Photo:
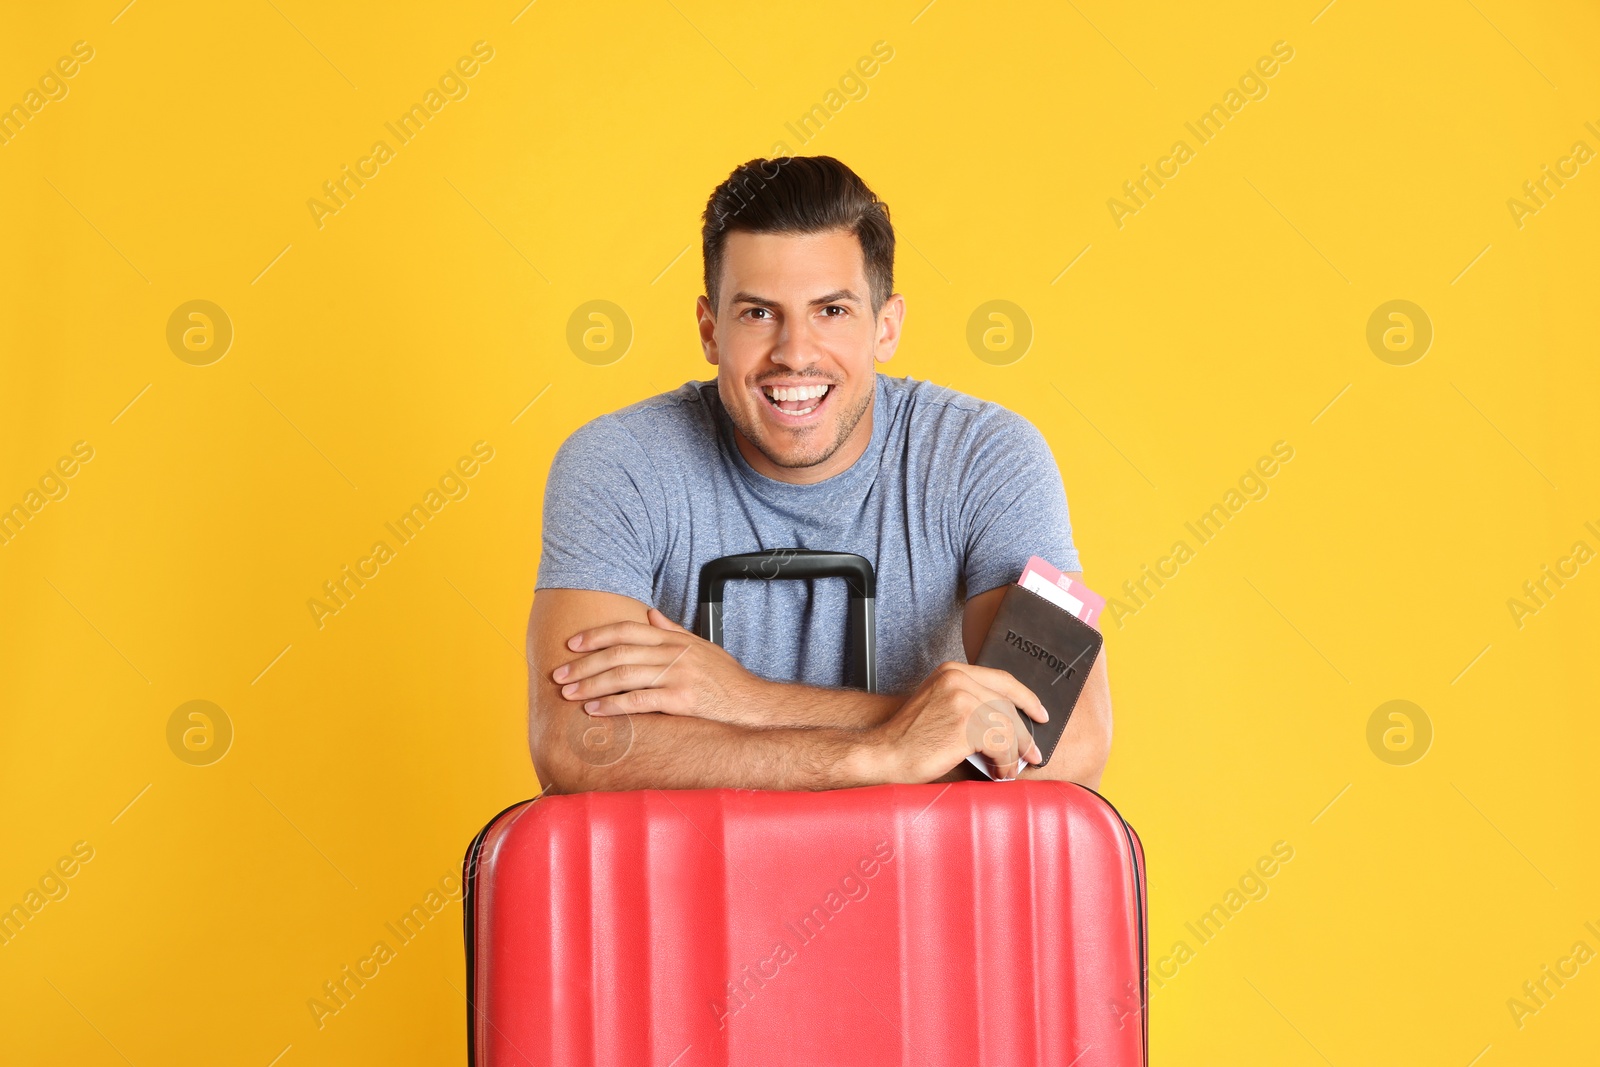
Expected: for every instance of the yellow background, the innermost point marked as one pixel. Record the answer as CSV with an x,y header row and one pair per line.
x,y
369,354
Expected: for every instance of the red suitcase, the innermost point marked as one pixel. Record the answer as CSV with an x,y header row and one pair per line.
x,y
960,924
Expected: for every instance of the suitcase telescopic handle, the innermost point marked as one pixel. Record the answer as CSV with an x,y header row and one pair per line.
x,y
789,563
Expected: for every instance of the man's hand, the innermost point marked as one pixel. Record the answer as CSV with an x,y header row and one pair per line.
x,y
959,709
633,667
1085,744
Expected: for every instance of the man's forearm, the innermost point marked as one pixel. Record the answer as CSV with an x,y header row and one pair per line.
x,y
656,751
794,704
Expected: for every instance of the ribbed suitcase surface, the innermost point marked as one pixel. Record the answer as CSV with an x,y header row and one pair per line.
x,y
961,924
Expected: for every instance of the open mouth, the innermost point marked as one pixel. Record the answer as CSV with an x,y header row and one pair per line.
x,y
797,402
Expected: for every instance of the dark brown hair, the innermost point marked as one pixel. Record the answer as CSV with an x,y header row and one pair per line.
x,y
799,194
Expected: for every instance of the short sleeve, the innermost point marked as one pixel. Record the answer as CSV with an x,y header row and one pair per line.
x,y
1014,504
598,505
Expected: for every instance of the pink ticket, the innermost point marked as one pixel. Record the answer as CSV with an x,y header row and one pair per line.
x,y
1069,594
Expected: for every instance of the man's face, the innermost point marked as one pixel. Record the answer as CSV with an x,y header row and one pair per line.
x,y
796,320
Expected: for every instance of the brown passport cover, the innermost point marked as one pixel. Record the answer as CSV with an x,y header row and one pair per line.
x,y
1048,650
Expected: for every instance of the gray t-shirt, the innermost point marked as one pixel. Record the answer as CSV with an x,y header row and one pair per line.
x,y
951,497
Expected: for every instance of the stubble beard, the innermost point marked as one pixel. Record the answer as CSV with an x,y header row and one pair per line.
x,y
754,432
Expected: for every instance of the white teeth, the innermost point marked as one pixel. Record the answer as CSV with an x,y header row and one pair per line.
x,y
804,392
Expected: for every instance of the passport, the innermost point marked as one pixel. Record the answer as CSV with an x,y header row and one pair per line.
x,y
1049,650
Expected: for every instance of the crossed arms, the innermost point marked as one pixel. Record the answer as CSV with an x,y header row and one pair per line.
x,y
620,697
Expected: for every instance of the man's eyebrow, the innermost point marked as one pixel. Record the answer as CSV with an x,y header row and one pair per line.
x,y
838,296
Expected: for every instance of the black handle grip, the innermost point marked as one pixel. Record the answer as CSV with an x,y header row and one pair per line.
x,y
794,563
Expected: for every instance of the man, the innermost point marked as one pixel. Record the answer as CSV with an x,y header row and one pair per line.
x,y
798,443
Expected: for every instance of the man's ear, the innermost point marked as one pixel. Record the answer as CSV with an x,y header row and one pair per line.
x,y
891,320
707,320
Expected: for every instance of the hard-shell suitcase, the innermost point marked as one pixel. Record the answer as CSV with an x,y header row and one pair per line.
x,y
958,924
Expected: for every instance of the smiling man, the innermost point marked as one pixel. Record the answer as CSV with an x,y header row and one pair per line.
x,y
799,442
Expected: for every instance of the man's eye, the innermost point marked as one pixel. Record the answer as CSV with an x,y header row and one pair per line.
x,y
835,307
758,311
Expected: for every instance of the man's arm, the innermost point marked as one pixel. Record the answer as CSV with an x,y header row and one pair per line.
x,y
629,667
1085,745
575,750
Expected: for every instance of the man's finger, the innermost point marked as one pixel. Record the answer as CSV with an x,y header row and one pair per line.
x,y
999,741
638,701
1003,736
1003,772
999,749
657,618
1014,763
1005,683
587,666
616,633
619,679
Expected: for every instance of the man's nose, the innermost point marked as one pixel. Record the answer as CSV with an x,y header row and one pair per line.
x,y
798,346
